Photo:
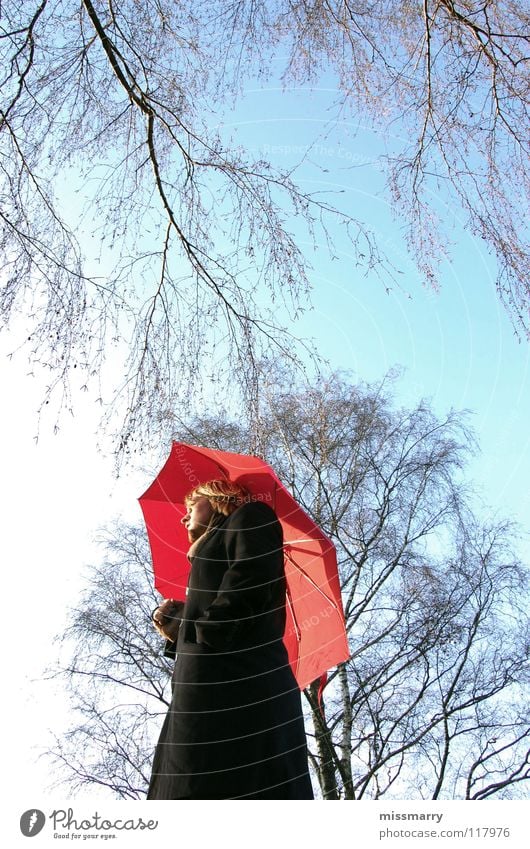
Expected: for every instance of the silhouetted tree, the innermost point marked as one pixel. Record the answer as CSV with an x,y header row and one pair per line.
x,y
179,242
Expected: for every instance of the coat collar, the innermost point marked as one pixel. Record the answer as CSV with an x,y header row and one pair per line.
x,y
216,523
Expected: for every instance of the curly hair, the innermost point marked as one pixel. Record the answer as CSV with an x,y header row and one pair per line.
x,y
224,495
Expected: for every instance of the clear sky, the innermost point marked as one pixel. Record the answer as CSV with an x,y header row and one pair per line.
x,y
455,346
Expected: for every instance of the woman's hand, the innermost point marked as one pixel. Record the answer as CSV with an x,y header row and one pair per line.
x,y
167,618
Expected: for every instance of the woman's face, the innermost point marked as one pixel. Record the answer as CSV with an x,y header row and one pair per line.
x,y
197,516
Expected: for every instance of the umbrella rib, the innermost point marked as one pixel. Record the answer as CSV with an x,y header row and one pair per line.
x,y
311,581
311,539
291,608
296,628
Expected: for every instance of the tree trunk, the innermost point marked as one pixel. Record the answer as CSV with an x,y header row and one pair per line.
x,y
327,774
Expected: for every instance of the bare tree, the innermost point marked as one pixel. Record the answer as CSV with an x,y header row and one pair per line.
x,y
432,702
118,679
115,100
180,241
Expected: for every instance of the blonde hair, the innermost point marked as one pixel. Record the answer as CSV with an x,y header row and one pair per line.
x,y
224,495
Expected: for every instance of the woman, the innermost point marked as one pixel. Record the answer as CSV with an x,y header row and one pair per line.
x,y
234,729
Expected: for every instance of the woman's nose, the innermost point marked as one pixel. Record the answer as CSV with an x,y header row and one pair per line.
x,y
184,519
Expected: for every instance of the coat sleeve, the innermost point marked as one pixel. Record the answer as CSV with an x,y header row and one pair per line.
x,y
254,556
170,648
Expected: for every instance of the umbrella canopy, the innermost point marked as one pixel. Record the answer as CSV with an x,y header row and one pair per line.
x,y
315,634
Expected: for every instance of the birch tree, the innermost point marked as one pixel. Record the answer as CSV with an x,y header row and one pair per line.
x,y
131,216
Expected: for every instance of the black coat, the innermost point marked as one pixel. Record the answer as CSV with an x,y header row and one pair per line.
x,y
234,728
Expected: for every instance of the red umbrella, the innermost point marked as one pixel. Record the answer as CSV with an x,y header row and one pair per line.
x,y
315,634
